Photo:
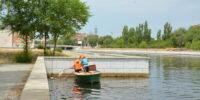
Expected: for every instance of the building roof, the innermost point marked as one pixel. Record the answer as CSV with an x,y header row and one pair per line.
x,y
80,36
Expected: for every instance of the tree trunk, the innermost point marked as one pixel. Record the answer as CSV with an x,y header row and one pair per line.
x,y
45,43
55,42
26,44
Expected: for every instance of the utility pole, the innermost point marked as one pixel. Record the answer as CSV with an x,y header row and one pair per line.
x,y
96,32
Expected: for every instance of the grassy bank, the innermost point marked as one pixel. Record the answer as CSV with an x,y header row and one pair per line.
x,y
7,55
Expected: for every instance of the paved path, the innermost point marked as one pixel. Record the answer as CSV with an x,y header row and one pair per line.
x,y
11,75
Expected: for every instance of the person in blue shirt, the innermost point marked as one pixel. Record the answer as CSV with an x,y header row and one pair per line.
x,y
84,61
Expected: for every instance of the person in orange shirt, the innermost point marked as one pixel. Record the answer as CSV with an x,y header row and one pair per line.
x,y
78,67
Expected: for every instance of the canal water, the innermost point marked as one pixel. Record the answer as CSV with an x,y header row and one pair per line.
x,y
171,78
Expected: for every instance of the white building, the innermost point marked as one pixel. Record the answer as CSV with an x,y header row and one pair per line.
x,y
8,39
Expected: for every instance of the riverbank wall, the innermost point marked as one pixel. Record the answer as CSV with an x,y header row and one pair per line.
x,y
109,67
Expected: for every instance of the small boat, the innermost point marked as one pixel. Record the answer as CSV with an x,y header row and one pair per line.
x,y
88,77
92,76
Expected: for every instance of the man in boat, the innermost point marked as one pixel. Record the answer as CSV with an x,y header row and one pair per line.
x,y
77,66
84,61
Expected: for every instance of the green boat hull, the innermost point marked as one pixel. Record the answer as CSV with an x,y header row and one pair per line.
x,y
93,78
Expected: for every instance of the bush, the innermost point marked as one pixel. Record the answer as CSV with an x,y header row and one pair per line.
x,y
22,57
58,50
161,44
40,46
195,45
49,53
143,44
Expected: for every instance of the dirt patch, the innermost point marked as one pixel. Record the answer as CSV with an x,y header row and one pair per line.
x,y
7,55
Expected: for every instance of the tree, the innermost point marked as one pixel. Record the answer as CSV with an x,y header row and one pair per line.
x,y
20,16
167,31
138,33
125,35
131,37
67,16
178,37
42,20
67,40
193,33
147,32
159,35
92,40
105,40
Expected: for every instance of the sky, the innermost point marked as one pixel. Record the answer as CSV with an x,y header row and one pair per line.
x,y
109,16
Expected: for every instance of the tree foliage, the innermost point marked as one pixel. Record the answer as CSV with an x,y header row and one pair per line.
x,y
125,35
140,37
179,37
159,36
20,16
47,17
146,32
92,40
167,31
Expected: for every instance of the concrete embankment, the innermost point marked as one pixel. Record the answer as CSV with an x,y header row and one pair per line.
x,y
37,87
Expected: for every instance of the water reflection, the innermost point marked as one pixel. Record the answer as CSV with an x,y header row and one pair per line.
x,y
82,90
108,89
174,77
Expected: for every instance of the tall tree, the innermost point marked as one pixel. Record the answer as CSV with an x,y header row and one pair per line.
x,y
139,33
167,31
43,26
159,35
125,35
131,36
147,32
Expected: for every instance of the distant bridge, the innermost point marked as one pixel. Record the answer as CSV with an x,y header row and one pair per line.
x,y
63,47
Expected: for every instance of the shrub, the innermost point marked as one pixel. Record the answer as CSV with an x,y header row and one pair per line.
x,y
58,49
161,44
40,46
143,44
22,57
49,53
195,45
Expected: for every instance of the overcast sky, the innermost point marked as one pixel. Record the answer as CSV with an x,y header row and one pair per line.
x,y
111,15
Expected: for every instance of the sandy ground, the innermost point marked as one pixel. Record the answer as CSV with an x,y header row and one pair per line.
x,y
13,78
